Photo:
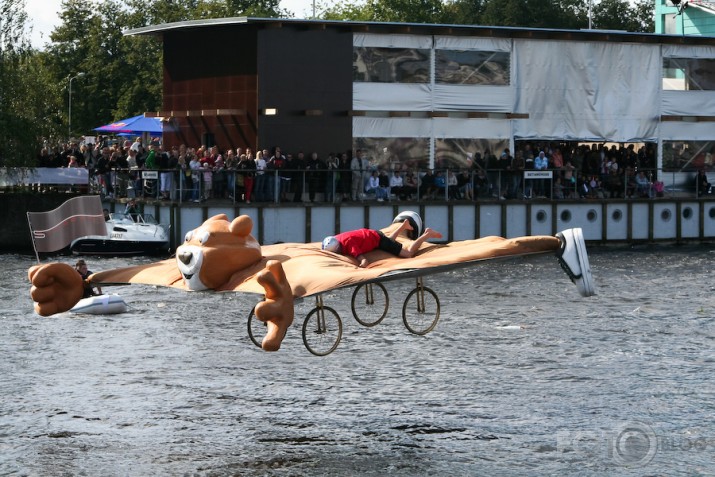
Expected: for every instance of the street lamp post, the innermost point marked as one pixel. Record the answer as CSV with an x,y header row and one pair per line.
x,y
69,113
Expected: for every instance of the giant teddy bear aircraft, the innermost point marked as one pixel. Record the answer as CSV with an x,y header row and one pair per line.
x,y
222,255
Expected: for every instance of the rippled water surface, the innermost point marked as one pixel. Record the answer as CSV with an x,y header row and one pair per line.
x,y
521,376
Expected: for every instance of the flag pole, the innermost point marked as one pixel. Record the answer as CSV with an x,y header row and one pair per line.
x,y
32,235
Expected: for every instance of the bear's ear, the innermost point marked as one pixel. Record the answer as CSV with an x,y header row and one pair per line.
x,y
241,226
217,217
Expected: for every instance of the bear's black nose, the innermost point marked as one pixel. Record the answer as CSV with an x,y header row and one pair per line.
x,y
185,257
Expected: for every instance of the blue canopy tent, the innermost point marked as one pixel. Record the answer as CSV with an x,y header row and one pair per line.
x,y
136,125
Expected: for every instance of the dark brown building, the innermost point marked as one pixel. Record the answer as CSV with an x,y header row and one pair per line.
x,y
251,83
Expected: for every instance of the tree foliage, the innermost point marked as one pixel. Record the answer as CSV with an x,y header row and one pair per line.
x,y
26,92
559,14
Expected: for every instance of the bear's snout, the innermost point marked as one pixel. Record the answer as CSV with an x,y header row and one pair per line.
x,y
185,256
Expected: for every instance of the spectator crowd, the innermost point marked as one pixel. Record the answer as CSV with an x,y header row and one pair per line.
x,y
132,169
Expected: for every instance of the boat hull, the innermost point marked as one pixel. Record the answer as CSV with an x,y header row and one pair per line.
x,y
112,247
101,305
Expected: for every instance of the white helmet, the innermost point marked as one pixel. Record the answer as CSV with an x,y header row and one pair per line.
x,y
415,221
331,244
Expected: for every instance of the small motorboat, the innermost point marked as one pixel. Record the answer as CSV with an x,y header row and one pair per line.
x,y
126,235
101,305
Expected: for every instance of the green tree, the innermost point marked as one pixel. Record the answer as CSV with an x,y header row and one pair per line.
x,y
68,54
558,14
122,75
254,8
619,15
642,13
24,98
462,12
645,10
407,11
530,13
348,10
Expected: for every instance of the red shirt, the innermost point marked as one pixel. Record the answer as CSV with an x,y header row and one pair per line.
x,y
357,242
208,161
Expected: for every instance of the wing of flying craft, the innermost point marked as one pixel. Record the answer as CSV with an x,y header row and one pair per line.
x,y
310,270
222,256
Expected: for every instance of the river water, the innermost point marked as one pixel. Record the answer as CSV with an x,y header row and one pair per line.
x,y
521,376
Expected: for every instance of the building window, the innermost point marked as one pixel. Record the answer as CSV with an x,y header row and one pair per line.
x,y
472,67
405,153
683,156
670,27
466,153
391,65
689,74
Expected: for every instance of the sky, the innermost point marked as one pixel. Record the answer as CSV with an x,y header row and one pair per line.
x,y
43,16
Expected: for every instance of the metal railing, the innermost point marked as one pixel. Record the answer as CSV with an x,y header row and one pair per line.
x,y
340,185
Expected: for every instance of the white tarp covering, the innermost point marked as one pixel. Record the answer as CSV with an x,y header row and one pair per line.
x,y
587,90
686,131
472,128
391,97
689,103
683,51
392,127
450,97
467,43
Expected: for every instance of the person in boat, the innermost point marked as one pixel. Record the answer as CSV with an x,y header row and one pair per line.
x,y
106,214
358,242
81,267
132,209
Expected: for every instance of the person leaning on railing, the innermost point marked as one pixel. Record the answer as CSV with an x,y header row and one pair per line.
x,y
345,181
195,166
246,168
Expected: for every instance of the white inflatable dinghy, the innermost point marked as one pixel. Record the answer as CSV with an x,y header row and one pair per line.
x,y
101,305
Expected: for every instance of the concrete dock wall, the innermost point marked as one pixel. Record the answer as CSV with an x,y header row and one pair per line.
x,y
612,221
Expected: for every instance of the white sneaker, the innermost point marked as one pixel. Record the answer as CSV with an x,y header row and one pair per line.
x,y
573,258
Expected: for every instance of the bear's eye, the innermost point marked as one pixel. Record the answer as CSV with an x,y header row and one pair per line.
x,y
188,236
203,237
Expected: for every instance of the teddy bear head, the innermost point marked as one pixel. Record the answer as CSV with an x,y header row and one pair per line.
x,y
216,250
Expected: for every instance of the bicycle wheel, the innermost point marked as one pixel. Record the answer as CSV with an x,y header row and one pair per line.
x,y
322,330
368,302
257,329
423,311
